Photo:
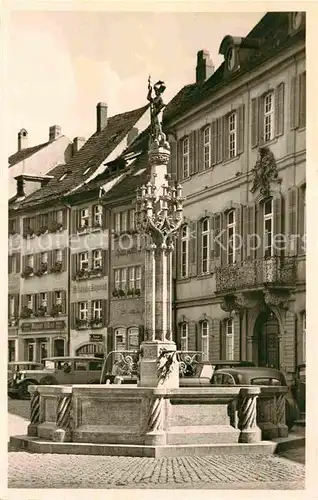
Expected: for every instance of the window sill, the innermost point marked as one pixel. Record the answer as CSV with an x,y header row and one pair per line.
x,y
231,160
186,279
269,143
204,276
127,297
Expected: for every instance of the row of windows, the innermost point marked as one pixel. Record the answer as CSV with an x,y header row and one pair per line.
x,y
83,260
127,278
96,309
43,300
205,338
126,338
124,221
223,138
38,224
90,217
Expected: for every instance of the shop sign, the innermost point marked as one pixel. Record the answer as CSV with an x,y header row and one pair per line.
x,y
43,325
96,337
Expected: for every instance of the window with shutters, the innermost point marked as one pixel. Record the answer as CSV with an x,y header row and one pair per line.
x,y
185,157
59,216
207,147
97,215
44,258
30,260
303,325
97,309
123,222
83,260
205,340
44,220
133,338
268,229
120,339
184,251
132,220
43,300
58,298
58,255
268,117
229,339
117,279
205,246
84,217
123,278
12,307
83,310
184,337
138,277
232,135
30,301
97,259
12,226
131,277
231,237
302,100
117,222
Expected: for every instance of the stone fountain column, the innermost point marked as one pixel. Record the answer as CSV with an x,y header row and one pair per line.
x,y
158,216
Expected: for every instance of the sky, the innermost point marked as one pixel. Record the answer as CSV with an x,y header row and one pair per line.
x,y
61,64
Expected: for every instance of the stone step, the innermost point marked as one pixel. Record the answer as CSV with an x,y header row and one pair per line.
x,y
37,445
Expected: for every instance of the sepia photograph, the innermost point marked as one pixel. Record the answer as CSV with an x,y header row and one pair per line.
x,y
156,318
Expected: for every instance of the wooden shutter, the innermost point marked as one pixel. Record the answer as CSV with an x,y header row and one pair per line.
x,y
302,100
64,218
74,265
16,305
192,152
240,129
248,230
10,263
36,301
193,248
141,334
104,311
294,103
105,217
64,305
192,333
75,220
254,122
50,298
73,315
214,143
110,339
50,259
196,150
279,109
200,149
301,223
261,120
172,166
239,231
64,258
105,256
18,262
237,336
259,220
178,254
225,138
174,261
24,300
292,221
37,261
278,206
220,154
223,239
216,229
179,160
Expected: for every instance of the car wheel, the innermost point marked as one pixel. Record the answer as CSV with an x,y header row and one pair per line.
x,y
48,380
23,390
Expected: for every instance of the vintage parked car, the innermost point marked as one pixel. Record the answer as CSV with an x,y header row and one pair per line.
x,y
258,376
200,373
299,387
16,366
57,370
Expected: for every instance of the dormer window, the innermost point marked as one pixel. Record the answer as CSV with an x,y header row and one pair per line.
x,y
231,58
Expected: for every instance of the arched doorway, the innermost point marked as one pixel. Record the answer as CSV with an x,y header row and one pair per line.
x,y
267,333
90,349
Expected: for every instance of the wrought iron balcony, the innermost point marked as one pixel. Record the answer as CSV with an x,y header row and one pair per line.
x,y
249,274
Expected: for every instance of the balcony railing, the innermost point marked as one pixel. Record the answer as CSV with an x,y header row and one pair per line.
x,y
247,274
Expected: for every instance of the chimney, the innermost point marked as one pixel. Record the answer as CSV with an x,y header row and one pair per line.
x,y
78,142
101,115
205,66
22,139
54,132
132,134
20,186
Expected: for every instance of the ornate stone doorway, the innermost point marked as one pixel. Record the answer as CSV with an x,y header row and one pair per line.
x,y
267,333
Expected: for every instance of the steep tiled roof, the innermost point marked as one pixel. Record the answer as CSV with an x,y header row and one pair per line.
x,y
272,31
128,185
92,154
25,153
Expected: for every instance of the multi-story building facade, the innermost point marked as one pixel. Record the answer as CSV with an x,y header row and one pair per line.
x,y
238,148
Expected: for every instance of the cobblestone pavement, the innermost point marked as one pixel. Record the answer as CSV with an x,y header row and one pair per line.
x,y
78,471
32,470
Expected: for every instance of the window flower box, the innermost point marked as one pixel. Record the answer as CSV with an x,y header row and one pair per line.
x,y
96,323
122,293
96,225
42,230
57,268
115,293
83,229
26,312
55,227
28,272
130,292
42,270
29,233
81,324
13,321
82,274
56,310
96,271
40,312
137,292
